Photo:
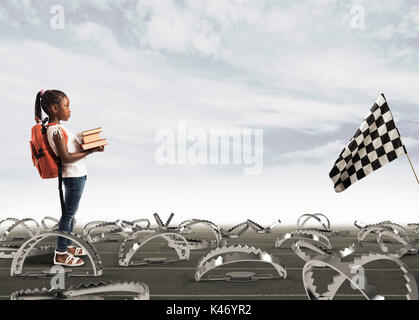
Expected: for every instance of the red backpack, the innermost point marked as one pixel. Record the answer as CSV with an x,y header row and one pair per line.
x,y
43,157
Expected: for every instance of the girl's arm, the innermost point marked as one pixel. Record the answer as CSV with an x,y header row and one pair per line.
x,y
67,157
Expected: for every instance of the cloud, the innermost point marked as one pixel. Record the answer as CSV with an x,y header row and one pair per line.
x,y
181,32
295,69
326,153
410,142
3,14
291,46
404,25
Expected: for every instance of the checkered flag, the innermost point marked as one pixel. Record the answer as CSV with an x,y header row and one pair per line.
x,y
376,143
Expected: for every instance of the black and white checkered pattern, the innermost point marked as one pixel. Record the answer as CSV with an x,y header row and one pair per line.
x,y
376,143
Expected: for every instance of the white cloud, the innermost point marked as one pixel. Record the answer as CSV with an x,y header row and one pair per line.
x,y
3,14
326,153
410,142
292,46
214,64
181,31
406,26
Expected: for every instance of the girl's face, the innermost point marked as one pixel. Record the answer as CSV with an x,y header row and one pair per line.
x,y
64,112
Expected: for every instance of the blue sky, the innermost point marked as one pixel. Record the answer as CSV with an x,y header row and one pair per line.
x,y
297,70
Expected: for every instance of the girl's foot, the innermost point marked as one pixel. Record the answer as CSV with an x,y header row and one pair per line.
x,y
67,259
77,252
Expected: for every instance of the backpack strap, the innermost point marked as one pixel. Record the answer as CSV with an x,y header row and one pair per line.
x,y
44,127
60,170
60,185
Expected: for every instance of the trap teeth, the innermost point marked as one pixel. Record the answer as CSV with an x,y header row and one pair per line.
x,y
120,228
31,231
174,240
53,220
318,217
306,235
345,273
384,229
139,290
29,249
234,254
299,246
259,229
414,227
237,230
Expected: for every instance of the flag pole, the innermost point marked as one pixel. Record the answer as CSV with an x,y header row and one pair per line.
x,y
408,158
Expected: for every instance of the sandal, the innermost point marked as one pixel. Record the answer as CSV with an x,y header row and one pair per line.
x,y
77,252
70,261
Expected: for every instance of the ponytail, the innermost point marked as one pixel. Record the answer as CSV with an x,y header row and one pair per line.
x,y
44,100
38,110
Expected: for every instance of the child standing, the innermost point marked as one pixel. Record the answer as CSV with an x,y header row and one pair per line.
x,y
65,145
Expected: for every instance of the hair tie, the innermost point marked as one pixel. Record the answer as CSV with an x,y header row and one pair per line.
x,y
42,92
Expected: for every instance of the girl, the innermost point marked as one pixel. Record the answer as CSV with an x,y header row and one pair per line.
x,y
56,105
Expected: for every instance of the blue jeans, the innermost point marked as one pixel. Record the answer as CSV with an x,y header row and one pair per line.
x,y
74,187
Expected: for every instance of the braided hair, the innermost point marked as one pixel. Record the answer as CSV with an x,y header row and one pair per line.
x,y
44,100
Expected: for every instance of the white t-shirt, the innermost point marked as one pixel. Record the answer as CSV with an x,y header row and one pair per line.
x,y
74,169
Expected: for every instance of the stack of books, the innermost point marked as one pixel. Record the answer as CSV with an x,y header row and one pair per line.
x,y
91,139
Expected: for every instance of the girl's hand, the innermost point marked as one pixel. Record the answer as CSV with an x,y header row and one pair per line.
x,y
98,149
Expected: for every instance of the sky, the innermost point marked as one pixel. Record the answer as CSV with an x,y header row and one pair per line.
x,y
306,73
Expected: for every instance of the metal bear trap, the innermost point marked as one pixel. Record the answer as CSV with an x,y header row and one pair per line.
x,y
13,220
91,291
259,229
201,244
384,229
322,220
347,272
53,220
236,231
408,246
376,227
92,224
109,231
197,244
302,247
8,251
311,235
137,223
141,237
235,254
241,228
365,230
164,226
396,228
319,217
26,248
370,229
216,230
7,246
414,227
16,222
55,223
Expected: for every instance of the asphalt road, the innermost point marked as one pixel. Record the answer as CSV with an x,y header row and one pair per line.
x,y
176,280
